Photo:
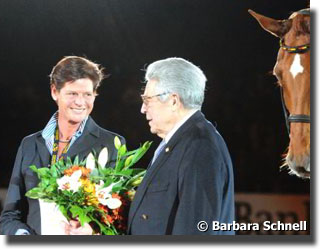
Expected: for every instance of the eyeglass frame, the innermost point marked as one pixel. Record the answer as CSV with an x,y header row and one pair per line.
x,y
145,99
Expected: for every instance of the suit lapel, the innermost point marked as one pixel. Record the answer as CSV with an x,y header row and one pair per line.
x,y
86,141
163,156
43,151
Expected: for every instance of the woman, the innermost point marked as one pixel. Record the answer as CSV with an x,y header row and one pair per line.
x,y
70,131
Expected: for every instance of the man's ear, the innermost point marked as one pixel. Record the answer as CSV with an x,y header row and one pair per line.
x,y
176,102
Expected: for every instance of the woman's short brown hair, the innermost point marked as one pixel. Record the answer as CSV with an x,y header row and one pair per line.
x,y
72,68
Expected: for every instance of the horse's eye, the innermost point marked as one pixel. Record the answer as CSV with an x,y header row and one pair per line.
x,y
277,72
306,26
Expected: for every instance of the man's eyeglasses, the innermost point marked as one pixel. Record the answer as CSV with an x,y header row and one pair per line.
x,y
146,99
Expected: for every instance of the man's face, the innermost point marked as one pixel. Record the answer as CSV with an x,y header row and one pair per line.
x,y
159,114
75,100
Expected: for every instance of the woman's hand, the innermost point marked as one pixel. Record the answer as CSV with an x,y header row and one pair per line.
x,y
74,228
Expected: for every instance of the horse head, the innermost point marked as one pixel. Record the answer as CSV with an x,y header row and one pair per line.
x,y
292,70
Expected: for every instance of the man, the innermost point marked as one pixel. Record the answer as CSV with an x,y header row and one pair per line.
x,y
189,183
71,131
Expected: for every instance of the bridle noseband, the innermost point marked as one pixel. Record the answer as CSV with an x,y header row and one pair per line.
x,y
292,118
299,118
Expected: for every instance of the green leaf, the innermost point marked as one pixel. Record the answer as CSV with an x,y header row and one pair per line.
x,y
34,193
105,229
83,162
44,182
117,187
119,165
125,172
69,162
131,183
76,160
146,145
80,213
34,168
51,188
53,171
105,171
43,172
108,182
141,152
64,211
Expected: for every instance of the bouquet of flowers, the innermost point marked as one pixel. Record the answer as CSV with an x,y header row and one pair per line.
x,y
91,191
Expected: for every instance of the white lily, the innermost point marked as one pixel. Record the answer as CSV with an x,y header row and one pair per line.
x,y
71,183
113,203
104,193
100,185
90,163
105,197
103,157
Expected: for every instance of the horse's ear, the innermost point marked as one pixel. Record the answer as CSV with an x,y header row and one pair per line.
x,y
276,27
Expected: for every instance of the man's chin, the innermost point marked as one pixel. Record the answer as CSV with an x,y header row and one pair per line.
x,y
157,132
153,131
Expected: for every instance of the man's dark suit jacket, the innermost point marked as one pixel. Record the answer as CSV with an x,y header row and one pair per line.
x,y
21,212
190,181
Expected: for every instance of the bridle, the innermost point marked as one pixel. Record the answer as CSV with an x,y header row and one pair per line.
x,y
299,118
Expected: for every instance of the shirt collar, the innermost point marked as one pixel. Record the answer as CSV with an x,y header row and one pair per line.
x,y
179,124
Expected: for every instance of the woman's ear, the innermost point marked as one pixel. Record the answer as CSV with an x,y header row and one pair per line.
x,y
54,92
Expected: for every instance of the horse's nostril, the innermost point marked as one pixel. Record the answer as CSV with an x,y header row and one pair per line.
x,y
302,172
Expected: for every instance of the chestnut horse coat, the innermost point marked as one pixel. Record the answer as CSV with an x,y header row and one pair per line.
x,y
190,181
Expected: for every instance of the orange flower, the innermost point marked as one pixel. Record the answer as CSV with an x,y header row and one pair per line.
x,y
109,218
115,195
85,172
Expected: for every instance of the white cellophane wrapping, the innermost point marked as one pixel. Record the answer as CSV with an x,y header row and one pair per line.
x,y
51,219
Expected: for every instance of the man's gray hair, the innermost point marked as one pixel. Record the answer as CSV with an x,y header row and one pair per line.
x,y
177,75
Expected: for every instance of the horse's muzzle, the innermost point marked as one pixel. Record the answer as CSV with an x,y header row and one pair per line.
x,y
300,168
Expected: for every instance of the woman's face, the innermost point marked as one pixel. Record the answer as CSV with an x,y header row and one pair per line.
x,y
75,100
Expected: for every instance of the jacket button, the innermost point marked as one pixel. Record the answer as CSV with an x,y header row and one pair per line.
x,y
144,216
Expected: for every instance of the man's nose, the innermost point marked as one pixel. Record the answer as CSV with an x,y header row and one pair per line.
x,y
143,108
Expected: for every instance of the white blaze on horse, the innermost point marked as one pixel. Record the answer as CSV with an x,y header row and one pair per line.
x,y
292,70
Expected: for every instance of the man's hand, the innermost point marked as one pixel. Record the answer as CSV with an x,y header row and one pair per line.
x,y
74,228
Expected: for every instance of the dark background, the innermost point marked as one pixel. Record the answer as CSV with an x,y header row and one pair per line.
x,y
124,36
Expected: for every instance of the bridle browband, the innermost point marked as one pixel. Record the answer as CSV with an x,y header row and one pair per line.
x,y
294,49
300,118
